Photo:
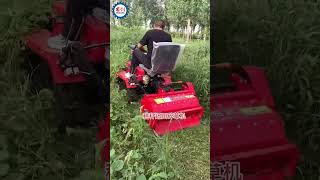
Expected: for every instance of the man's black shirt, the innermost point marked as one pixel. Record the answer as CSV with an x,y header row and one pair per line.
x,y
154,35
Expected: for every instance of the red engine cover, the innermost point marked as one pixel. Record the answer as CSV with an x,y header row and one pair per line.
x,y
246,129
122,75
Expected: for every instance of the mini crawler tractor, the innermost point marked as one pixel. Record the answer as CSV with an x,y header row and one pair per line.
x,y
167,106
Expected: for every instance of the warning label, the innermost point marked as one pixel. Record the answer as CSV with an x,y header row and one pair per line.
x,y
174,98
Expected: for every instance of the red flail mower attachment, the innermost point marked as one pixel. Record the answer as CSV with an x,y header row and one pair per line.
x,y
248,139
182,106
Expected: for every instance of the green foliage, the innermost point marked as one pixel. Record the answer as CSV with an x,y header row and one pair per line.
x,y
282,37
178,11
175,12
29,147
152,9
136,14
136,152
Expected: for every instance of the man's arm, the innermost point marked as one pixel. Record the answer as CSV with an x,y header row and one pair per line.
x,y
143,42
141,47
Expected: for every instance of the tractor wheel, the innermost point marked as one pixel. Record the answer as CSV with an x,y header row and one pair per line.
x,y
72,108
38,70
40,78
121,84
132,94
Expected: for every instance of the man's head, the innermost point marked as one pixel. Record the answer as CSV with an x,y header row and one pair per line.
x,y
159,24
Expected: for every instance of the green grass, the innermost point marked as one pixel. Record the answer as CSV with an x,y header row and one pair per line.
x,y
29,150
191,150
282,37
136,152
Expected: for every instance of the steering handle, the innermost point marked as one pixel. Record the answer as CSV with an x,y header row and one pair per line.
x,y
96,45
132,46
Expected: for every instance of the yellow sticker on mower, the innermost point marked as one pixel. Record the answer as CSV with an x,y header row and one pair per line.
x,y
171,99
159,101
190,96
163,100
250,111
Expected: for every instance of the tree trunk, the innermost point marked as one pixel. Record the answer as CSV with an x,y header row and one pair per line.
x,y
117,22
145,24
189,30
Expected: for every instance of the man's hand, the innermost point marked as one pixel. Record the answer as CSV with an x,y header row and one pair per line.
x,y
141,47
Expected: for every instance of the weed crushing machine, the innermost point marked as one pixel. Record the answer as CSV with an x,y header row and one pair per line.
x,y
167,106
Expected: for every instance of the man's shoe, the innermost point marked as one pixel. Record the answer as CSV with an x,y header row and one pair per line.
x,y
128,75
133,80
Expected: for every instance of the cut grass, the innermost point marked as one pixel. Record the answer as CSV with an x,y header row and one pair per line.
x,y
191,151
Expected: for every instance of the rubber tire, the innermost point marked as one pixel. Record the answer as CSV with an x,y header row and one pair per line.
x,y
71,104
121,84
40,78
132,94
70,107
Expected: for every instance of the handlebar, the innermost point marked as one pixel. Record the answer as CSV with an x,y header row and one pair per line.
x,y
96,45
132,46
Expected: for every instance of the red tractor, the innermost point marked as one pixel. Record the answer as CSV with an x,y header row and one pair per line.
x,y
246,129
167,106
79,97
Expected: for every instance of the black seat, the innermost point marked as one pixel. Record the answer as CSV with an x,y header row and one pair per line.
x,y
165,56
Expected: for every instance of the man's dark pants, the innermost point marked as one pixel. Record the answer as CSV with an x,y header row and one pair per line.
x,y
138,57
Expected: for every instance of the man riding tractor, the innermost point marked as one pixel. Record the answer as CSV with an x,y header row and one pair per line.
x,y
166,106
157,34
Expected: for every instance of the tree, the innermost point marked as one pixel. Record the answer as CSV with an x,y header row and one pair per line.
x,y
152,9
136,15
186,14
183,15
141,12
